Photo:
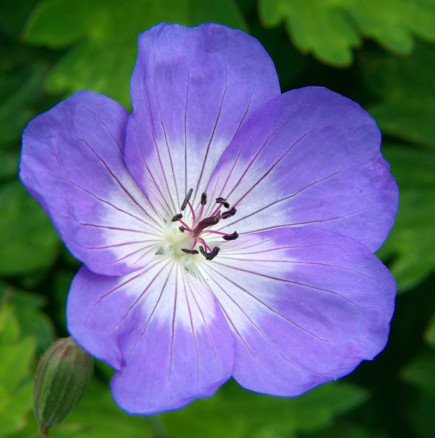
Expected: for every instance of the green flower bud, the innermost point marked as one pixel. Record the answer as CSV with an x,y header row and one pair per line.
x,y
62,377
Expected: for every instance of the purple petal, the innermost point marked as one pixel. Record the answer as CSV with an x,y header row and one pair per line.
x,y
160,328
306,306
309,157
191,91
72,163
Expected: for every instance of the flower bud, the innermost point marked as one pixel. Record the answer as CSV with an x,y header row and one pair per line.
x,y
63,375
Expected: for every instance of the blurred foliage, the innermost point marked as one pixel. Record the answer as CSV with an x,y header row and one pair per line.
x,y
261,416
405,90
330,29
17,354
412,240
421,370
52,48
29,315
31,242
104,33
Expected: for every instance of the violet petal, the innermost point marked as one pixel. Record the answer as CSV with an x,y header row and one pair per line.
x,y
161,329
191,90
72,163
309,157
305,305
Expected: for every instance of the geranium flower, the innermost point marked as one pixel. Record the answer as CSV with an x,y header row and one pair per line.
x,y
226,229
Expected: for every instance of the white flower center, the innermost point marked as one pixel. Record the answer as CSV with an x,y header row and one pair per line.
x,y
187,241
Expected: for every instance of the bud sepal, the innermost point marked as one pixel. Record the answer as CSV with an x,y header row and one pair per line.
x,y
62,377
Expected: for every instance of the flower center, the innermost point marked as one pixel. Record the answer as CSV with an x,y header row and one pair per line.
x,y
200,226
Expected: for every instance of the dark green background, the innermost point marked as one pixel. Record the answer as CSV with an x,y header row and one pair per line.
x,y
380,53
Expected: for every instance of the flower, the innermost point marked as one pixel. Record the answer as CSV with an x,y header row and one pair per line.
x,y
225,229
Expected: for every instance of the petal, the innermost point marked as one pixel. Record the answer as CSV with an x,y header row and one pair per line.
x,y
72,164
306,306
160,328
191,90
309,157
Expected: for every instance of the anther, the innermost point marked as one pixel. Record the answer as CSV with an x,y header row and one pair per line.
x,y
222,201
204,198
182,229
186,199
189,251
209,255
233,236
177,217
231,212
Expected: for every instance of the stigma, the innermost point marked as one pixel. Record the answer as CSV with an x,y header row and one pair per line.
x,y
200,226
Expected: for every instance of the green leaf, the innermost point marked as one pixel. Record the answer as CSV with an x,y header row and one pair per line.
x,y
9,327
330,29
345,429
406,92
17,356
62,279
8,164
98,416
9,423
420,414
420,372
21,77
31,319
105,33
28,241
13,14
430,332
237,413
411,242
16,360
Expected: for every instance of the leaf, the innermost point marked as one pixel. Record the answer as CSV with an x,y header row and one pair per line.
x,y
9,327
13,14
8,423
346,429
17,356
98,416
28,241
105,33
406,92
411,242
330,29
430,332
420,372
31,319
16,360
21,77
420,414
237,413
8,164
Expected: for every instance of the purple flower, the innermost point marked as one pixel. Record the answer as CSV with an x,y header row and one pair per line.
x,y
226,229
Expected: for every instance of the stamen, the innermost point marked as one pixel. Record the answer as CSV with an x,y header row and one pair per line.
x,y
199,225
186,199
222,201
207,248
231,212
192,211
233,236
185,226
209,255
189,251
